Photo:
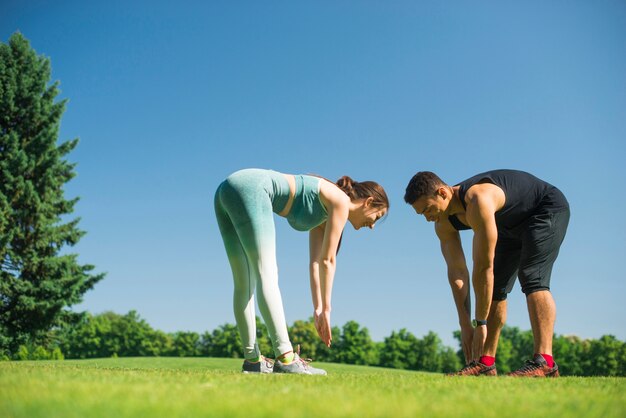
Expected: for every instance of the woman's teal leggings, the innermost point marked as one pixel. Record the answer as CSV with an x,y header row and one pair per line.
x,y
245,216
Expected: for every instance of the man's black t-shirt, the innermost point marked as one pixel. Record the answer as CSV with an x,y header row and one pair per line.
x,y
526,195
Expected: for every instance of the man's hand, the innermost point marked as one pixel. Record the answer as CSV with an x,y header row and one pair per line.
x,y
480,336
322,325
467,336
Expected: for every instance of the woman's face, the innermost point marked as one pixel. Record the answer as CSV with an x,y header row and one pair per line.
x,y
367,215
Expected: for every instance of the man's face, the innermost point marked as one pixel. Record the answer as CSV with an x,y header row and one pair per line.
x,y
432,207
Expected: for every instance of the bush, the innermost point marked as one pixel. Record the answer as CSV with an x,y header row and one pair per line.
x,y
22,353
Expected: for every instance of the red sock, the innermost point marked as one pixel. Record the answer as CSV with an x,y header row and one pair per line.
x,y
548,359
487,360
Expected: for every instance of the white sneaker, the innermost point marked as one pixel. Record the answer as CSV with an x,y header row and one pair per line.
x,y
297,366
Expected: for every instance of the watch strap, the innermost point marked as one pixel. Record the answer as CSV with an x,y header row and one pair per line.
x,y
479,322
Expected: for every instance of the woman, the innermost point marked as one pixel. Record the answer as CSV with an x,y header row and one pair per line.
x,y
244,203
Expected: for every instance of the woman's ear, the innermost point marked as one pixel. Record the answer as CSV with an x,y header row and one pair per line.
x,y
368,202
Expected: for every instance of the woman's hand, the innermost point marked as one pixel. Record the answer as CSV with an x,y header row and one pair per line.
x,y
322,325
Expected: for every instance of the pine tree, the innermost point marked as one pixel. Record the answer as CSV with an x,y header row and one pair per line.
x,y
36,281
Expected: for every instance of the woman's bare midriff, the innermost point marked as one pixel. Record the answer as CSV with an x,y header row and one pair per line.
x,y
292,192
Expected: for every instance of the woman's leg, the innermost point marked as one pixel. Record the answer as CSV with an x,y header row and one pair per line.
x,y
243,300
250,210
259,243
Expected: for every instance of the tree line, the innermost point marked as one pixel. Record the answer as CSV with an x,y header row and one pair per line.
x,y
111,335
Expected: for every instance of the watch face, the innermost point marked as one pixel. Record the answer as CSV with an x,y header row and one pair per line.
x,y
474,323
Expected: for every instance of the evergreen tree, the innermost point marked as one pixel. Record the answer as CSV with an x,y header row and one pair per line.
x,y
36,281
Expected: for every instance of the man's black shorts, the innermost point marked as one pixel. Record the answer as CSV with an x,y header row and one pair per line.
x,y
530,255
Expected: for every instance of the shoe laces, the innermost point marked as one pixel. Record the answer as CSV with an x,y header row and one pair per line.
x,y
471,365
304,361
268,361
529,366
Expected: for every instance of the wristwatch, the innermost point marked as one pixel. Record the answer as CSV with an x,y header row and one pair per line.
x,y
478,322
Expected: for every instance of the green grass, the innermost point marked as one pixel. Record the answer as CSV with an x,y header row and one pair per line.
x,y
189,387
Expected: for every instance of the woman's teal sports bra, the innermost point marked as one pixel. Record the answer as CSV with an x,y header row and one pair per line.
x,y
307,210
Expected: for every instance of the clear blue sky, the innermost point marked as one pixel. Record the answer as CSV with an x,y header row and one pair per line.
x,y
168,98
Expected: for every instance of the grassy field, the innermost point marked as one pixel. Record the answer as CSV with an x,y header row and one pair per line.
x,y
190,387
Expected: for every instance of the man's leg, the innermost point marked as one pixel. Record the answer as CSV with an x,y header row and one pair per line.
x,y
495,321
540,248
542,312
506,261
541,243
506,264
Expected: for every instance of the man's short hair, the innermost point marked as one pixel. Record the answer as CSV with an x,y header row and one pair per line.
x,y
424,183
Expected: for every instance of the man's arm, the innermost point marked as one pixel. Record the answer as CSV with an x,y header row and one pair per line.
x,y
482,204
480,215
458,277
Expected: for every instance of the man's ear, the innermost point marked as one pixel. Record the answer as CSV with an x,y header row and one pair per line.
x,y
442,192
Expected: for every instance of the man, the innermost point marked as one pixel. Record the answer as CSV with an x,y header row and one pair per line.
x,y
519,223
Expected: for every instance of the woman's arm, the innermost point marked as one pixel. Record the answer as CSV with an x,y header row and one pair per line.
x,y
337,205
316,237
